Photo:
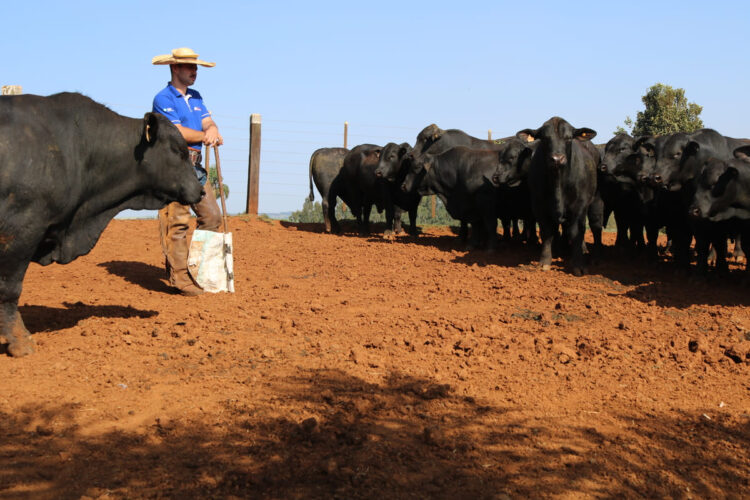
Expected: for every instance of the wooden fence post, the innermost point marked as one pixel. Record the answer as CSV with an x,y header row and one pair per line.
x,y
489,135
253,167
434,205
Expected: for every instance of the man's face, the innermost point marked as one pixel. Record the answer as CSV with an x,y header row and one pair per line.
x,y
185,73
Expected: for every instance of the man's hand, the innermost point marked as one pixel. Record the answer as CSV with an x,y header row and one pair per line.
x,y
211,133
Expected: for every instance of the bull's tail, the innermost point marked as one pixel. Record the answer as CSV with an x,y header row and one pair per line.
x,y
311,197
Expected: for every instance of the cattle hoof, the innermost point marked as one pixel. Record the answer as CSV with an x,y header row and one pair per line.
x,y
22,348
546,267
577,271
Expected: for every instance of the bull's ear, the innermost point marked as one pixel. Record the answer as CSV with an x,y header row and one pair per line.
x,y
526,135
403,149
584,134
692,148
742,153
150,127
525,155
377,152
643,146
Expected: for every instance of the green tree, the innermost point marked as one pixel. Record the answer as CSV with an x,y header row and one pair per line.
x,y
213,179
667,111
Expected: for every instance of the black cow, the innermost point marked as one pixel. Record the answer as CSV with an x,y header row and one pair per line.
x,y
562,179
722,196
359,187
678,164
620,193
723,188
325,165
68,165
462,178
434,140
514,197
391,168
655,208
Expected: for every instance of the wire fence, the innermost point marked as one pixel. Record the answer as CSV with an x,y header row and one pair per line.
x,y
286,147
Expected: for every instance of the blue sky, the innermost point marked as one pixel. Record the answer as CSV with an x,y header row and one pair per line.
x,y
388,68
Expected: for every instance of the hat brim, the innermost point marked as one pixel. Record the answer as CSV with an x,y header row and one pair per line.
x,y
170,59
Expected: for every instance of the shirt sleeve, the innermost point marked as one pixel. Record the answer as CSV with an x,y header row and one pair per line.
x,y
164,105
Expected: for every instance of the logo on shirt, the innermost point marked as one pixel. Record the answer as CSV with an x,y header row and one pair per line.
x,y
168,110
196,108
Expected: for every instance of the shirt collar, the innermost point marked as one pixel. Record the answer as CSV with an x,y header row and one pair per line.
x,y
176,93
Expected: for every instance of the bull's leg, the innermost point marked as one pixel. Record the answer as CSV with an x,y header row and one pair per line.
x,y
326,215
547,232
490,228
720,246
507,228
529,229
12,328
475,237
652,235
636,235
738,253
575,232
413,229
621,222
516,231
365,223
463,232
329,214
397,220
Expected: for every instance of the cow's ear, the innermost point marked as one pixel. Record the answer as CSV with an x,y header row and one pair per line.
x,y
525,155
584,134
692,148
150,127
377,152
644,147
526,135
403,149
742,153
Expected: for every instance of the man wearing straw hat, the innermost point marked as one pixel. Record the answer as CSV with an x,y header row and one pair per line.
x,y
184,106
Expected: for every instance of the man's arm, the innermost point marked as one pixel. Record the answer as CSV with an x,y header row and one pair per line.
x,y
208,136
211,132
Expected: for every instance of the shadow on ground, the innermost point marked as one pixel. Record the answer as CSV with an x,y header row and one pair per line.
x,y
404,438
139,273
45,319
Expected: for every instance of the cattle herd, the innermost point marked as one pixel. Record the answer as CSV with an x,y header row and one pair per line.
x,y
694,186
68,165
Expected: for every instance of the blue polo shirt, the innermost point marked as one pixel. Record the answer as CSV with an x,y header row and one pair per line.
x,y
188,110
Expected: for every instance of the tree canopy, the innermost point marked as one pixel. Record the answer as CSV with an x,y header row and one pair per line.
x,y
667,111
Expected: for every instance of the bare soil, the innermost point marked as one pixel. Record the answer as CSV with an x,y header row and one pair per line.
x,y
359,367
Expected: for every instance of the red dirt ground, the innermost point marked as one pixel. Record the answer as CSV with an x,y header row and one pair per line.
x,y
357,367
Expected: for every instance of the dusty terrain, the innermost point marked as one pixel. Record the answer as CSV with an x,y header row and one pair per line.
x,y
357,367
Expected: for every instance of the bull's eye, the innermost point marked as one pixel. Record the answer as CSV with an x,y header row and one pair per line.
x,y
676,155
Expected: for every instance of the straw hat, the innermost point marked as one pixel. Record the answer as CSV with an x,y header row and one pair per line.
x,y
183,55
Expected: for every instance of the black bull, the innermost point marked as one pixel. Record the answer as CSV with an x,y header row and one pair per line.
x,y
68,165
562,178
